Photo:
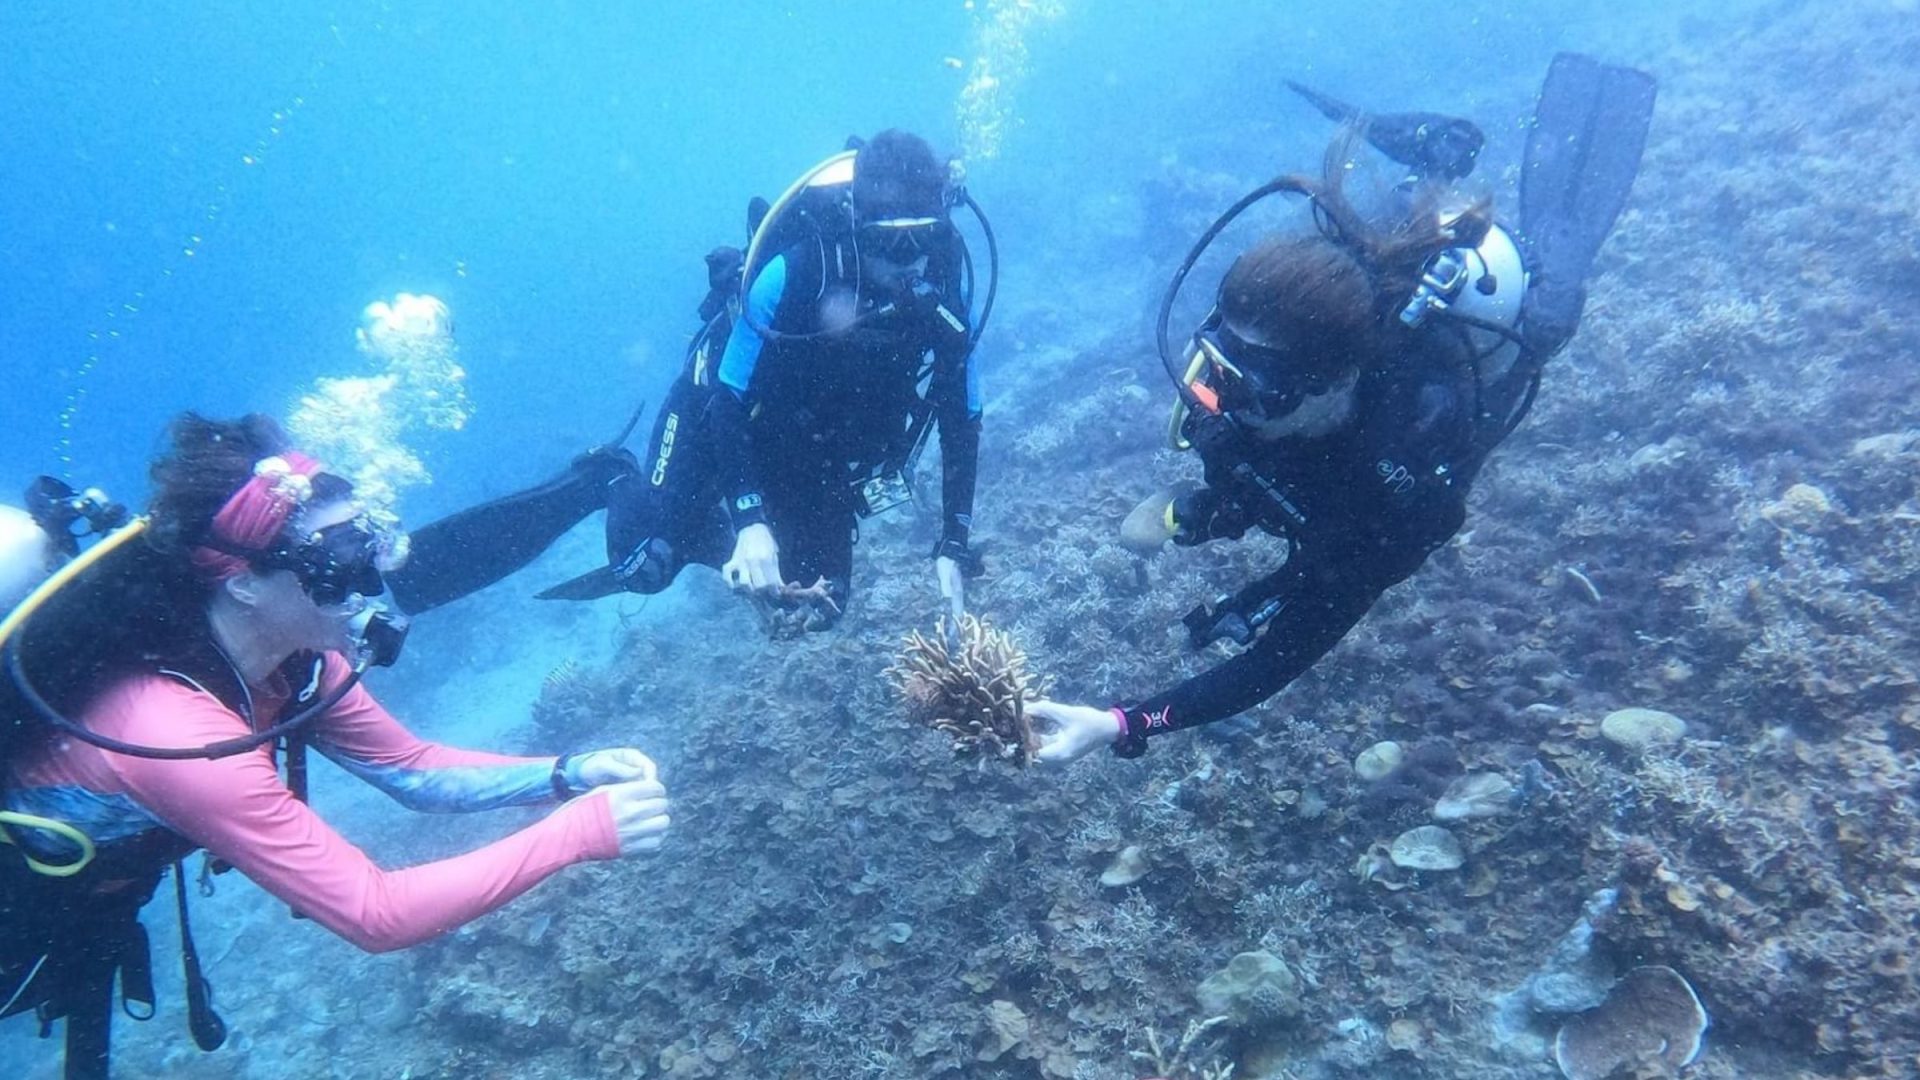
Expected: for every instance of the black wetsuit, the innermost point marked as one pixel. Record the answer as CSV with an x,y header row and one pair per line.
x,y
1361,508
1364,506
784,432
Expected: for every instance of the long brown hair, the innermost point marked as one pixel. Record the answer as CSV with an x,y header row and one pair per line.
x,y
1333,294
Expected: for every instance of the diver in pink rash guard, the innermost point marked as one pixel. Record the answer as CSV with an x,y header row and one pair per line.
x,y
240,810
241,623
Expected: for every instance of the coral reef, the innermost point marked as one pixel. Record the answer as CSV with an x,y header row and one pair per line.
x,y
1176,1062
970,682
1255,989
1640,543
1714,511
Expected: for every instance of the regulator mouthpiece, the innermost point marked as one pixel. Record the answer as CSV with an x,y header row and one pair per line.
x,y
378,635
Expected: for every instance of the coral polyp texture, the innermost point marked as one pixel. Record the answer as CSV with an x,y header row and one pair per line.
x,y
1651,1024
970,682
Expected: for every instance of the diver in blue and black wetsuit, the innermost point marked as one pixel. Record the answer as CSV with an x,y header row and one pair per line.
x,y
801,409
1352,378
853,344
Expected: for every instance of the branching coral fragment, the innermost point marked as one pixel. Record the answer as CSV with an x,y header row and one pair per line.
x,y
973,686
794,609
1175,1061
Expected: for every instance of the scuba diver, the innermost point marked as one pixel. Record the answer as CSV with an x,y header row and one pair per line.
x,y
833,346
801,409
1350,381
160,681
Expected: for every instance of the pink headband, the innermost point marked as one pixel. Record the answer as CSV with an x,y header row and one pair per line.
x,y
254,515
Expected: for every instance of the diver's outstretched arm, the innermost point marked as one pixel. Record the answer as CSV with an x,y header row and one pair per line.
x,y
1312,627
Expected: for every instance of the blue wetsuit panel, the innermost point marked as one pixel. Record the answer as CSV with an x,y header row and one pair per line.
x,y
744,344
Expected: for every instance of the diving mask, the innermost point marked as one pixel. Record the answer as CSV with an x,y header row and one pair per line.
x,y
899,240
1260,380
336,563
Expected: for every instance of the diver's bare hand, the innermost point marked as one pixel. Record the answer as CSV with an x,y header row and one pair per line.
x,y
616,766
1071,732
952,580
755,565
640,818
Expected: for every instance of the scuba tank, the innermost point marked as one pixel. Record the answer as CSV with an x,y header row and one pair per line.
x,y
27,556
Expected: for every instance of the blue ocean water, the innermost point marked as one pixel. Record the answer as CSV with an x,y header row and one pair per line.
x,y
200,199
554,175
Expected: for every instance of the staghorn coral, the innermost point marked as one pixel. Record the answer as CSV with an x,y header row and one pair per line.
x,y
1178,1059
972,684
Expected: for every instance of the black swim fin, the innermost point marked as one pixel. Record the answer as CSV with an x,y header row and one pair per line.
x,y
470,549
1434,146
1335,110
591,585
1589,130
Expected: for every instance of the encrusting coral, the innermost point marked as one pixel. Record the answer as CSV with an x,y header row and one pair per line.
x,y
972,684
1650,1025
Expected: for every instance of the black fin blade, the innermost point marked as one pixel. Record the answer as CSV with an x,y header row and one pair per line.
x,y
1589,131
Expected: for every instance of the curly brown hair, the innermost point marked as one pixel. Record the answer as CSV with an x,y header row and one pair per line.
x,y
145,600
207,462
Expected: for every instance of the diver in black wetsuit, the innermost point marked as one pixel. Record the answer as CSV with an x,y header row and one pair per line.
x,y
1350,382
854,343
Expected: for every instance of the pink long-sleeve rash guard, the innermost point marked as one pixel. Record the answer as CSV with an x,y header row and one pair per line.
x,y
239,809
